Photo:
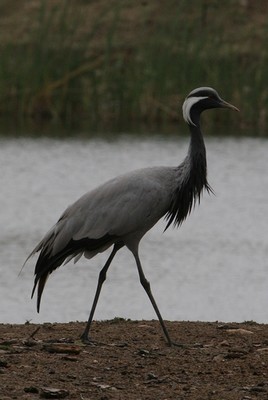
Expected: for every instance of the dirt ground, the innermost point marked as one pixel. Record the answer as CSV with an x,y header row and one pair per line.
x,y
130,360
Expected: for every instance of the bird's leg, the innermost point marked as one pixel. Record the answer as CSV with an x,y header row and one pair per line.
x,y
102,277
147,287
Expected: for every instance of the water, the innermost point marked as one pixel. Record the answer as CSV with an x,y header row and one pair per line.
x,y
213,268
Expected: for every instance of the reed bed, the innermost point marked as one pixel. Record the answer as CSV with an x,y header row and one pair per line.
x,y
117,63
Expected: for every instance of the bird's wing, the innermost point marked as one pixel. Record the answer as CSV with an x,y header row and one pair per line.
x,y
126,204
132,202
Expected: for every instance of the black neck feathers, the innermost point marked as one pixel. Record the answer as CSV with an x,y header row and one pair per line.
x,y
192,179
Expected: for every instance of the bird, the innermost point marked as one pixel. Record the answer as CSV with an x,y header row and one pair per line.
x,y
121,211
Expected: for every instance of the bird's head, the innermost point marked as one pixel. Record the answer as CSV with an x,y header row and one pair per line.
x,y
201,99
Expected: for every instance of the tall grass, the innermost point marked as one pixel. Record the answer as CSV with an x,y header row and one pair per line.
x,y
72,70
44,77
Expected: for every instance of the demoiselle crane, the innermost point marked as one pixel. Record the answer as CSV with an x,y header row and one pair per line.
x,y
120,212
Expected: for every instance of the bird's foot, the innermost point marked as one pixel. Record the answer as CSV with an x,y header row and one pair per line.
x,y
86,340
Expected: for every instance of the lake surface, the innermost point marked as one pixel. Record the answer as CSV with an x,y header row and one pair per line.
x,y
214,267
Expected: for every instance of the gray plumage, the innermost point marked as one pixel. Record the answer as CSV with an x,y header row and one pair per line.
x,y
122,210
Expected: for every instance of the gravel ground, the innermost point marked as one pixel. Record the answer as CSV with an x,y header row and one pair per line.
x,y
130,360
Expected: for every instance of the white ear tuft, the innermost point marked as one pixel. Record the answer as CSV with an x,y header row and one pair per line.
x,y
187,106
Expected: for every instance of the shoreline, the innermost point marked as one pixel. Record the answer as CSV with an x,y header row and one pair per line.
x,y
130,360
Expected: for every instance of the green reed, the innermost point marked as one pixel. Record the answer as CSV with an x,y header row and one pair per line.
x,y
72,70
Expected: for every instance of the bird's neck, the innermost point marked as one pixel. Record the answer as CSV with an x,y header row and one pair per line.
x,y
196,180
192,175
197,157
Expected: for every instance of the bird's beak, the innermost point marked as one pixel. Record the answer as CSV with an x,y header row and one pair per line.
x,y
228,105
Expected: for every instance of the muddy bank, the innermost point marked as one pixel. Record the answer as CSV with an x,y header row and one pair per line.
x,y
130,360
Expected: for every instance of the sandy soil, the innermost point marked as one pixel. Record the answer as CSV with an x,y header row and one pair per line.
x,y
130,360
